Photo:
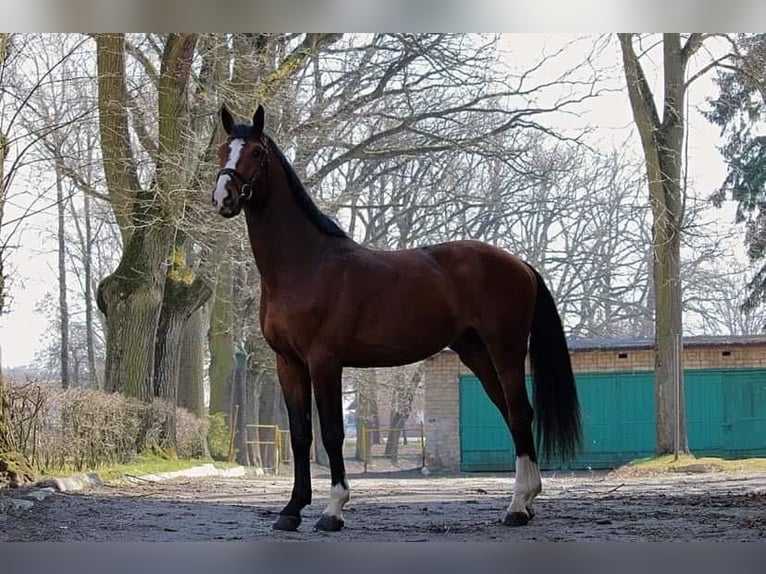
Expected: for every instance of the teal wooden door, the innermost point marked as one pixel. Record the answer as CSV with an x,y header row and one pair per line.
x,y
744,414
704,392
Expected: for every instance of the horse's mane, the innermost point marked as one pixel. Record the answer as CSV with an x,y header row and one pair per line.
x,y
322,221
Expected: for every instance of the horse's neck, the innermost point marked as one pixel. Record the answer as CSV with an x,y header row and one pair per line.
x,y
284,242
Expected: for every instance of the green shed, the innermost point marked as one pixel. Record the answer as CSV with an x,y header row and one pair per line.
x,y
725,395
725,410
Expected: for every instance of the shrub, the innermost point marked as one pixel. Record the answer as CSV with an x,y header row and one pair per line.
x,y
218,436
85,429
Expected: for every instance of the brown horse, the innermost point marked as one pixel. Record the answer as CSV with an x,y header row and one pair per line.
x,y
328,303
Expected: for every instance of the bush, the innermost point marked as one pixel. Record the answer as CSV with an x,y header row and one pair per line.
x,y
218,436
85,429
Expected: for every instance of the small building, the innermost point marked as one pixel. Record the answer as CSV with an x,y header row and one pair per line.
x,y
725,396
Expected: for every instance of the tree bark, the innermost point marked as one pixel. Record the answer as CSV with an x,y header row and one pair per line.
x,y
191,395
401,409
179,302
221,342
662,142
93,381
63,303
132,296
5,44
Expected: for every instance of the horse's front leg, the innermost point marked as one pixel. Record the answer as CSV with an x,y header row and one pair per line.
x,y
326,378
296,386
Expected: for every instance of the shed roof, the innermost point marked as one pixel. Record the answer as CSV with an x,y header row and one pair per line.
x,y
639,343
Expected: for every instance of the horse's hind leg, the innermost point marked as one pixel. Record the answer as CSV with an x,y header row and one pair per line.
x,y
512,402
296,387
327,389
509,366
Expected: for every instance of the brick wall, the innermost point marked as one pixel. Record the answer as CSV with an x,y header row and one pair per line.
x,y
442,416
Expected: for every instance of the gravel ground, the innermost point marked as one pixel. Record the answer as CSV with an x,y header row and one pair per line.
x,y
405,506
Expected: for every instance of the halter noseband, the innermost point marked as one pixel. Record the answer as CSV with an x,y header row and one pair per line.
x,y
246,187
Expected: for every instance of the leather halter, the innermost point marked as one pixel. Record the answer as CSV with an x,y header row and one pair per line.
x,y
246,187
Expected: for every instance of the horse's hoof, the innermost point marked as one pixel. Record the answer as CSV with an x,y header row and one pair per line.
x,y
329,523
531,512
287,522
516,519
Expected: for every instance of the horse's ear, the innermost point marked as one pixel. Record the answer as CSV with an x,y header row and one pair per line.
x,y
258,120
226,120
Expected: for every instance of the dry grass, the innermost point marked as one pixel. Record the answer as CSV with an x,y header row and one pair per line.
x,y
667,464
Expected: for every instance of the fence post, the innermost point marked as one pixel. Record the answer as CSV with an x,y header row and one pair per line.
x,y
364,446
277,448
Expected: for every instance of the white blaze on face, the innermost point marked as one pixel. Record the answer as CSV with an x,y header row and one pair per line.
x,y
527,485
339,495
220,192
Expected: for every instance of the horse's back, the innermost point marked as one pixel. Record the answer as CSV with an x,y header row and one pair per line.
x,y
498,287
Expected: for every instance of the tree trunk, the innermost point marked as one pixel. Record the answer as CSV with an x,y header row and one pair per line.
x,y
401,408
221,342
5,44
63,304
367,412
132,295
267,395
240,397
93,382
179,302
133,298
662,143
191,393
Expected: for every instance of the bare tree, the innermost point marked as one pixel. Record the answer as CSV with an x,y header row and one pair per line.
x,y
662,139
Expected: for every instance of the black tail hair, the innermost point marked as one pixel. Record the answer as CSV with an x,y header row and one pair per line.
x,y
557,409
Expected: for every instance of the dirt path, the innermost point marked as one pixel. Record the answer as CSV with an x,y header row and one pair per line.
x,y
408,507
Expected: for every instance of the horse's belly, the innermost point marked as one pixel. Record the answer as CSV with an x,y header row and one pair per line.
x,y
389,342
391,354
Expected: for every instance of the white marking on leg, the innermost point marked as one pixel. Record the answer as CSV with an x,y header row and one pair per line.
x,y
527,485
220,193
339,495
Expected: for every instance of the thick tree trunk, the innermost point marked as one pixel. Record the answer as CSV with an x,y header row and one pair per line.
x,y
662,142
191,392
669,391
179,302
133,298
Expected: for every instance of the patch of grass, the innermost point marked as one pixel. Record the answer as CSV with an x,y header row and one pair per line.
x,y
690,463
147,463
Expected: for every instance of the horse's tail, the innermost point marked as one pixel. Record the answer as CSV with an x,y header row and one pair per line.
x,y
557,408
